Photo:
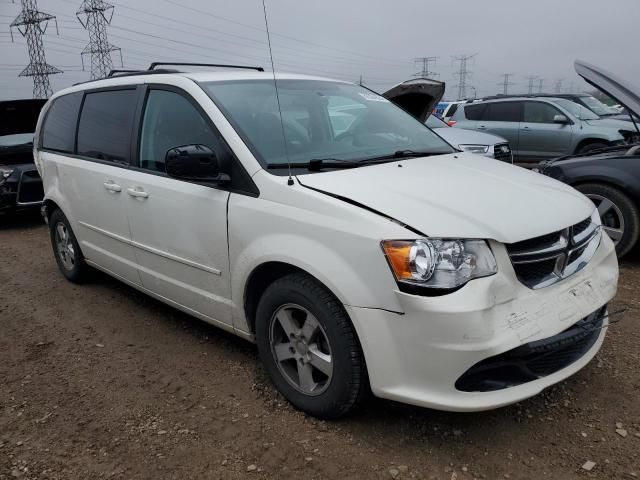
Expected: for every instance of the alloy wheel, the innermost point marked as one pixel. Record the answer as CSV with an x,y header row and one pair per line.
x,y
610,215
301,349
64,246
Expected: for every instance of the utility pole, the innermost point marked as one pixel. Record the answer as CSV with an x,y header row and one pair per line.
x,y
506,83
97,15
32,23
531,79
557,85
425,71
463,74
540,84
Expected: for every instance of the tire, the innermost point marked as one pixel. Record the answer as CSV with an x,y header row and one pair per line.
x,y
66,249
620,216
589,147
302,302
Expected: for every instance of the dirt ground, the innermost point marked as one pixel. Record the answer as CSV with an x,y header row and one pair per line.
x,y
99,381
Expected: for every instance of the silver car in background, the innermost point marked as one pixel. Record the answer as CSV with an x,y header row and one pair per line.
x,y
472,141
543,127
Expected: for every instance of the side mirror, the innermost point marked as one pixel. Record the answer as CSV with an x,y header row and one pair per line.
x,y
195,163
560,119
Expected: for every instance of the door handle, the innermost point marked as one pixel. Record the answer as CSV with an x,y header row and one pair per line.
x,y
482,127
112,186
137,192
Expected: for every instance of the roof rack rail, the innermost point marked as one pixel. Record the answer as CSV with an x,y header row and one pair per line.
x,y
215,65
115,72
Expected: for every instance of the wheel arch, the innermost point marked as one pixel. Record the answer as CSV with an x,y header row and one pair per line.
x,y
583,143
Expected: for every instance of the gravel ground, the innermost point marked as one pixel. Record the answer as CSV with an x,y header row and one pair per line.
x,y
99,381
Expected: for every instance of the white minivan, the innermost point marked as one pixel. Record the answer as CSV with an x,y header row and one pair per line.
x,y
358,249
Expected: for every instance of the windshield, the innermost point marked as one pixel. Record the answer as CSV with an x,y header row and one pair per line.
x,y
576,109
435,122
16,139
597,107
322,119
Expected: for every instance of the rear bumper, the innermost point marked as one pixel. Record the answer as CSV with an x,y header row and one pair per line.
x,y
418,356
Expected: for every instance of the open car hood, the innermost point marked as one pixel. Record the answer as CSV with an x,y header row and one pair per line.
x,y
19,116
625,93
417,97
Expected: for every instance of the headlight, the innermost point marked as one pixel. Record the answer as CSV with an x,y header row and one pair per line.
x,y
474,148
5,173
439,263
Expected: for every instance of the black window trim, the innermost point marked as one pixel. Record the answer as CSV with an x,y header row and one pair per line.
x,y
250,189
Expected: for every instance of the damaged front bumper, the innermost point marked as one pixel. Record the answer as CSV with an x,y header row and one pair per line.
x,y
433,353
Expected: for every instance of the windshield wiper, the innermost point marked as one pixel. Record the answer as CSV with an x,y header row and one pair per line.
x,y
400,154
317,164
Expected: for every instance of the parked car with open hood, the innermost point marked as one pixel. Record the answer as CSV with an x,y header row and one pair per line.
x,y
610,177
539,128
422,108
20,183
362,255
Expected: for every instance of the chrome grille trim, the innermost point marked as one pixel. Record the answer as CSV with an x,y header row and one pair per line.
x,y
572,251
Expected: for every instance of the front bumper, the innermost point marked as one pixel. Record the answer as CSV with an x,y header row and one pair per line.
x,y
417,356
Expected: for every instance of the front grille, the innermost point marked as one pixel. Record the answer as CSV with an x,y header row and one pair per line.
x,y
502,152
534,360
547,259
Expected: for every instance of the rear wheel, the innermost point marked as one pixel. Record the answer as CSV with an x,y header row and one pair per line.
x,y
309,347
619,215
66,248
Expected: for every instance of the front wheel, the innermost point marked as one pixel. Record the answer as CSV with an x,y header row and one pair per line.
x,y
619,215
309,347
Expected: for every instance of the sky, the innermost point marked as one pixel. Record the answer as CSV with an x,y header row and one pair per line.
x,y
347,39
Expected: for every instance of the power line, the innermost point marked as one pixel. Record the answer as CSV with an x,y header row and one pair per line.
x,y
30,23
506,83
425,71
463,74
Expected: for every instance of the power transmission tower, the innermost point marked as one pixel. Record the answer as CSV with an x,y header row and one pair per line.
x,y
531,79
540,84
557,85
463,74
506,83
97,15
425,71
32,23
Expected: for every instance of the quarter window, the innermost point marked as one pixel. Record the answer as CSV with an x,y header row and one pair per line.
x,y
59,129
539,112
170,121
502,112
105,125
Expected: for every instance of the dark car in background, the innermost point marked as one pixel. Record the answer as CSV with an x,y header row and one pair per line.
x,y
610,177
20,183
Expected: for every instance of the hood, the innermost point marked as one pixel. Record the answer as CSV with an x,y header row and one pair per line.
x,y
609,122
418,97
460,196
625,93
460,136
19,116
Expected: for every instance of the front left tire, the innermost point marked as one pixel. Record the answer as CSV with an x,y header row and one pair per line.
x,y
309,347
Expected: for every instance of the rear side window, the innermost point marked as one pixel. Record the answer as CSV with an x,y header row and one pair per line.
x,y
475,112
502,112
105,126
59,129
